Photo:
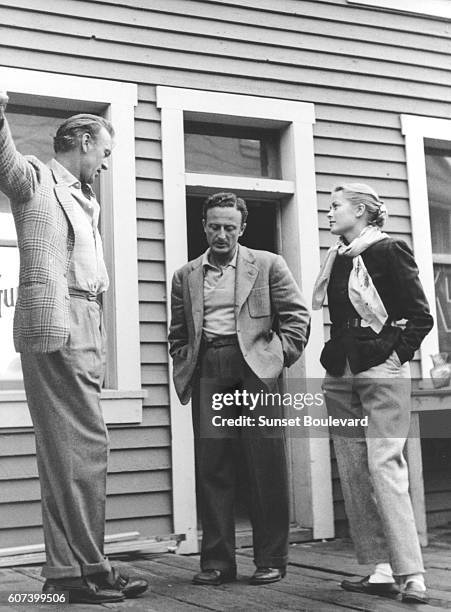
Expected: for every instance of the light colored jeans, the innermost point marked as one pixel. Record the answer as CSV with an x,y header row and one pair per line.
x,y
372,467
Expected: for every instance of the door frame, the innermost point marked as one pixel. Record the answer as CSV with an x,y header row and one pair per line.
x,y
310,456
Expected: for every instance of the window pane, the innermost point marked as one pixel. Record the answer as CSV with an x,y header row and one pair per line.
x,y
33,134
438,170
9,273
212,149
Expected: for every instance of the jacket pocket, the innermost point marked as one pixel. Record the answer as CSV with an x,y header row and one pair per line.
x,y
259,302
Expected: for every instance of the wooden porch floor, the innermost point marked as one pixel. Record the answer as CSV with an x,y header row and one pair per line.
x,y
312,583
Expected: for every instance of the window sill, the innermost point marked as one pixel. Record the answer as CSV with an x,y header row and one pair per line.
x,y
119,408
431,399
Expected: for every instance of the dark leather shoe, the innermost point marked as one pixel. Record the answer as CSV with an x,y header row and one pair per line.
x,y
266,575
214,577
129,587
80,590
383,589
411,594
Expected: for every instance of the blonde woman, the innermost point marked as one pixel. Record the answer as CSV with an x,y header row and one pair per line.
x,y
372,283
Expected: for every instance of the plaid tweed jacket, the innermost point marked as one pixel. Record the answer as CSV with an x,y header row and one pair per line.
x,y
42,211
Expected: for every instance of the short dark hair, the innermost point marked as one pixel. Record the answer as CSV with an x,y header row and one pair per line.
x,y
225,199
69,133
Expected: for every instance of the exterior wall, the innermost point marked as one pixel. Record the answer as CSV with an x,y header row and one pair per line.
x,y
361,68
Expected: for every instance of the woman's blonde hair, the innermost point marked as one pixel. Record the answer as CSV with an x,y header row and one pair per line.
x,y
359,193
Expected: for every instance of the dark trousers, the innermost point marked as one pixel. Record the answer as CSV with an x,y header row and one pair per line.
x,y
63,393
222,369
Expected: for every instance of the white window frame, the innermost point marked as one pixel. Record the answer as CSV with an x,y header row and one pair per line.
x,y
431,8
123,403
299,188
415,129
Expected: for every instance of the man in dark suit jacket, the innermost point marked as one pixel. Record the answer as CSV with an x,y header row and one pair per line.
x,y
58,330
223,338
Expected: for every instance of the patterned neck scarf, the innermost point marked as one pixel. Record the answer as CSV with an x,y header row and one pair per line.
x,y
362,292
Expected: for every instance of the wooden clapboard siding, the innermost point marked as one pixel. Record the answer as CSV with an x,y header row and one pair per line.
x,y
360,67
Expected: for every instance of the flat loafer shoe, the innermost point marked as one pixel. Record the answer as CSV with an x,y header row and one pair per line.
x,y
128,586
214,577
266,575
383,589
82,593
410,594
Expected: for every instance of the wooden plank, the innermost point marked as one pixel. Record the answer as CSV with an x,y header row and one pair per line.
x,y
157,399
148,526
155,415
149,189
148,168
179,571
380,152
214,23
149,209
154,353
358,167
152,312
243,10
357,133
154,374
151,249
353,55
131,505
140,545
315,91
150,229
175,33
383,186
147,149
122,460
313,588
360,78
153,332
152,291
120,438
151,271
139,460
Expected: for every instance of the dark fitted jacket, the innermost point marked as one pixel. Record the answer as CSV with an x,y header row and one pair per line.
x,y
393,270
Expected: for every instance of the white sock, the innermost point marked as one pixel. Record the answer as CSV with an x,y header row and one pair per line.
x,y
382,573
417,579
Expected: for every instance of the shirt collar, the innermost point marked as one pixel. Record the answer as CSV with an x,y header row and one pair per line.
x,y
69,179
232,263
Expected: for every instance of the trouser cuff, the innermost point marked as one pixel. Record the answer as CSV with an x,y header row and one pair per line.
x,y
62,571
271,561
96,568
77,571
218,565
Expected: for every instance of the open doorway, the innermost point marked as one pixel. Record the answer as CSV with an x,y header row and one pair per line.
x,y
262,230
263,233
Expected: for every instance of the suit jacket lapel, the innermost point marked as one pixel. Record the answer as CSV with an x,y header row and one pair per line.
x,y
245,277
196,291
63,194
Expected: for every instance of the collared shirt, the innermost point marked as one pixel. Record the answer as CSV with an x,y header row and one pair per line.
x,y
219,297
87,270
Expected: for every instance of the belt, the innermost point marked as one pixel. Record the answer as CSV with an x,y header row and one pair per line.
x,y
84,295
219,341
357,322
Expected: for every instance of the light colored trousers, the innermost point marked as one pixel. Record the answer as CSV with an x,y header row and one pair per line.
x,y
63,393
371,464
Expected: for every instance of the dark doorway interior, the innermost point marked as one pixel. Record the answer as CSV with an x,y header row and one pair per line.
x,y
261,233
